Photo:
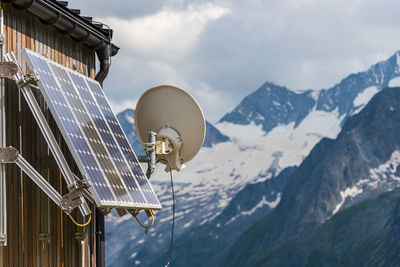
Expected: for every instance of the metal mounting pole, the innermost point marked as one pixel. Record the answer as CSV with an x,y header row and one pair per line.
x,y
150,149
152,154
3,189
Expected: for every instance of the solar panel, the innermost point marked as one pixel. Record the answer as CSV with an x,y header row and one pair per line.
x,y
93,135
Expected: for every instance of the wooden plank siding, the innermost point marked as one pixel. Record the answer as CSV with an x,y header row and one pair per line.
x,y
39,233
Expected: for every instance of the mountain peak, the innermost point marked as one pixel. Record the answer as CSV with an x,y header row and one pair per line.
x,y
271,105
361,163
397,55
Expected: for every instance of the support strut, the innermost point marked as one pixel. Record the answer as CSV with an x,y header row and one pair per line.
x,y
67,202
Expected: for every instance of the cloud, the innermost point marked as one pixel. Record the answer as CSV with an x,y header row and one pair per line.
x,y
118,8
118,106
157,49
166,35
211,101
299,44
226,49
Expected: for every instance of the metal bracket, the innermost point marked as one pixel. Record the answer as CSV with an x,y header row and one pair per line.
x,y
158,147
134,212
79,183
149,147
75,197
80,236
3,238
8,154
44,237
28,79
32,78
8,69
121,212
105,211
67,202
71,200
154,148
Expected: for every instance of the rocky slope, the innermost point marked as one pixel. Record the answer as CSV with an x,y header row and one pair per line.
x,y
362,163
365,234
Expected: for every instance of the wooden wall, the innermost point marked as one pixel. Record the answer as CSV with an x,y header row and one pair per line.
x,y
39,233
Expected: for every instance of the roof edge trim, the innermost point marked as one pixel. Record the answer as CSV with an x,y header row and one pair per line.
x,y
67,22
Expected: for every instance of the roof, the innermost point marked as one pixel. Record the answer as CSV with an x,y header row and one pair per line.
x,y
68,21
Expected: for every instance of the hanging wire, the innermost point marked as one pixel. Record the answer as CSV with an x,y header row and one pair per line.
x,y
173,213
81,225
146,226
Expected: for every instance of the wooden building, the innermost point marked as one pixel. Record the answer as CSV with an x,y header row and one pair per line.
x,y
38,232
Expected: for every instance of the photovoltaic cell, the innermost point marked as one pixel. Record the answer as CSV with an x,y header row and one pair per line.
x,y
121,138
93,135
73,131
109,139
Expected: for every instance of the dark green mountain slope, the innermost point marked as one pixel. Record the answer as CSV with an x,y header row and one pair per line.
x,y
366,234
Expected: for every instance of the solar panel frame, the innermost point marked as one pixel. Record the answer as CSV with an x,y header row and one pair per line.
x,y
52,79
47,77
118,132
106,133
92,136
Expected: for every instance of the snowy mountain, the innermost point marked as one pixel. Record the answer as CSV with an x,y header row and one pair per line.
x,y
361,164
211,180
270,130
272,105
213,136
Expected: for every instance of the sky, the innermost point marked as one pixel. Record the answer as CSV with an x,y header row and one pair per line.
x,y
221,51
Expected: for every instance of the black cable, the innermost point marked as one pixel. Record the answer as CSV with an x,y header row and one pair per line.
x,y
173,213
173,217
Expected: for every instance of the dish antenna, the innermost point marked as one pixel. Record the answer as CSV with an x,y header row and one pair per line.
x,y
173,123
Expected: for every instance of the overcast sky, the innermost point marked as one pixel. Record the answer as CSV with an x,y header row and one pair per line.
x,y
220,51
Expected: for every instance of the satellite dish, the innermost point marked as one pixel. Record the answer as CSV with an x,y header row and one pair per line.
x,y
178,121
